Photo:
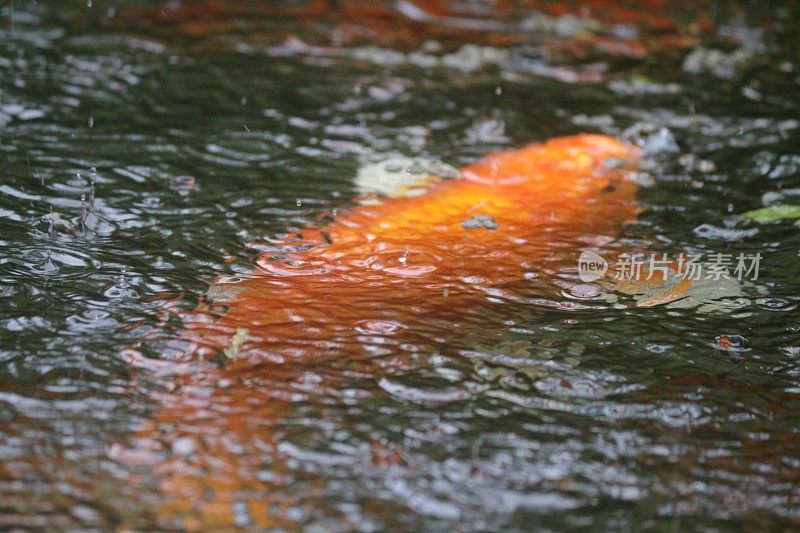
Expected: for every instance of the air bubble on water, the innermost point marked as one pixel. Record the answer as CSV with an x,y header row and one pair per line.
x,y
91,122
89,3
585,291
299,202
498,90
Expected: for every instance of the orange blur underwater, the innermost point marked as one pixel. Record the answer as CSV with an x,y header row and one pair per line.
x,y
378,280
393,267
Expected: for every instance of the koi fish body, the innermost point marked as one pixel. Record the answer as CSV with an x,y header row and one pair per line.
x,y
383,278
404,262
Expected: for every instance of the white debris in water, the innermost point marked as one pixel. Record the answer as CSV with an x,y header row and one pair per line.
x,y
716,62
379,56
402,176
184,446
488,131
565,26
468,58
771,197
652,138
709,231
480,221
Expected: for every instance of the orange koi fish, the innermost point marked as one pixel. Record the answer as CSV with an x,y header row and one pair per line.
x,y
389,278
400,264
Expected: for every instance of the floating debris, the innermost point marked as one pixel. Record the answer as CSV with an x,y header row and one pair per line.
x,y
565,26
652,138
774,213
238,340
716,62
709,231
402,176
481,221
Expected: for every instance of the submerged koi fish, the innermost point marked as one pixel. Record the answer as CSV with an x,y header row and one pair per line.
x,y
404,262
388,278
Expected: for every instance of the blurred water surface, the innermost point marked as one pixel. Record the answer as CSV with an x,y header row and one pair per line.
x,y
148,149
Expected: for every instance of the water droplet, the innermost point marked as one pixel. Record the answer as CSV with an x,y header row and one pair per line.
x,y
498,90
299,202
91,122
84,213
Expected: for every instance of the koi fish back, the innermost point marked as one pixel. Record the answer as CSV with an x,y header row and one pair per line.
x,y
401,263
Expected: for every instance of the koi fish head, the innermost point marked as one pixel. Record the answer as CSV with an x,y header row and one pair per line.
x,y
581,163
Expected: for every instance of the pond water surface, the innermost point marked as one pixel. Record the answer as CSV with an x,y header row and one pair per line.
x,y
149,150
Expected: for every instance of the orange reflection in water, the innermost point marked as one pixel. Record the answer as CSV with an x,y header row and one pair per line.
x,y
660,25
380,280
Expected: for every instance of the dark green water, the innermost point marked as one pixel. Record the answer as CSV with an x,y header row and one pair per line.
x,y
136,164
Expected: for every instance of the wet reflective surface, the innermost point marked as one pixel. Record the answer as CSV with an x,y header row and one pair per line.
x,y
170,355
